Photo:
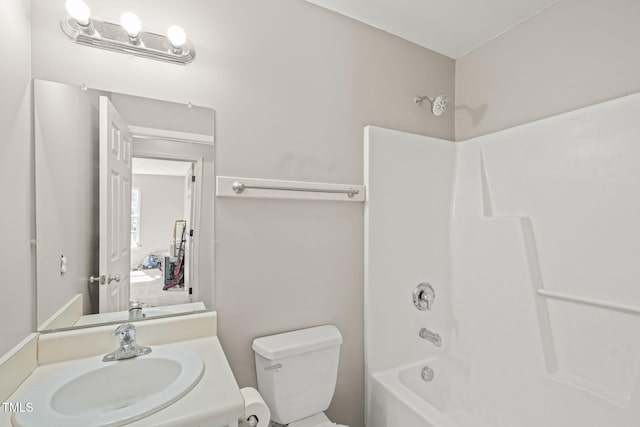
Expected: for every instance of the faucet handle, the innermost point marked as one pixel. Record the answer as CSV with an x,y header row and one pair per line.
x,y
127,334
125,328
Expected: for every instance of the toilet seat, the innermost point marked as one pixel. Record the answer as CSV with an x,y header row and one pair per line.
x,y
324,424
317,420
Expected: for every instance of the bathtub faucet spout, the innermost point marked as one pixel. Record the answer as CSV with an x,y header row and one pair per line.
x,y
430,336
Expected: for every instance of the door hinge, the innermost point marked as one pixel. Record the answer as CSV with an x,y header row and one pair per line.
x,y
190,291
190,233
193,178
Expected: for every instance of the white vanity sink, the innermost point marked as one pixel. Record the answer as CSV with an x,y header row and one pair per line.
x,y
96,393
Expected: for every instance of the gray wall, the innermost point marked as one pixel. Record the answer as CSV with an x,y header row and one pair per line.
x,y
17,305
573,54
161,204
292,85
66,180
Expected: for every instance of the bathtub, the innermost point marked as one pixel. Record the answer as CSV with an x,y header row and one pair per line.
x,y
399,397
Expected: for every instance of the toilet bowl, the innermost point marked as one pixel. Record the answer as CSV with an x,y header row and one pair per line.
x,y
297,373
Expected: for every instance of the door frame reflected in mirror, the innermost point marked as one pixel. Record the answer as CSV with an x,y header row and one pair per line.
x,y
198,161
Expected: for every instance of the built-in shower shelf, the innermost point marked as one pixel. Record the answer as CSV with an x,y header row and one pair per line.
x,y
227,186
589,301
619,399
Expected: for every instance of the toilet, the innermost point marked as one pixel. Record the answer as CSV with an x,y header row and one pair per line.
x,y
297,374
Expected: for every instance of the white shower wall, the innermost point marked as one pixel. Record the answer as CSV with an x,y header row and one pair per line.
x,y
550,206
410,181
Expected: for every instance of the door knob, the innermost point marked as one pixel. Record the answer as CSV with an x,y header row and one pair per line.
x,y
96,279
104,279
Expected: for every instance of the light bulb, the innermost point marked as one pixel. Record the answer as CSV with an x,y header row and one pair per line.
x,y
78,11
131,23
176,36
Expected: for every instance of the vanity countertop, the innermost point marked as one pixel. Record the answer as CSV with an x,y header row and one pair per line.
x,y
215,401
123,316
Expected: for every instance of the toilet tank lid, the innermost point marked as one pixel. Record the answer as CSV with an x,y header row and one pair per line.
x,y
297,342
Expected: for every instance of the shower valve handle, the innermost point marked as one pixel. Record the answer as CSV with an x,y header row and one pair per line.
x,y
423,296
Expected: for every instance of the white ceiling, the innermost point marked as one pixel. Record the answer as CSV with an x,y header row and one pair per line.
x,y
159,167
450,27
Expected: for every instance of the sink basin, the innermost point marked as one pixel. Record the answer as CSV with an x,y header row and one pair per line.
x,y
97,393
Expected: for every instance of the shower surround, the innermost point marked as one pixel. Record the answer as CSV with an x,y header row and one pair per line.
x,y
529,237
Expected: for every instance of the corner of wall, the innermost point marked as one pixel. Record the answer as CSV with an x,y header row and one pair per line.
x,y
572,54
16,167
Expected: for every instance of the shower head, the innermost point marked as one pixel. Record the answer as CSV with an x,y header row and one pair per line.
x,y
439,104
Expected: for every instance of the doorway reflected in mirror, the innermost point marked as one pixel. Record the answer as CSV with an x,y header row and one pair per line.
x,y
162,201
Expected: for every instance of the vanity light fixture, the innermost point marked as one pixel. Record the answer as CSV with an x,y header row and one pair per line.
x,y
132,25
126,37
81,13
177,37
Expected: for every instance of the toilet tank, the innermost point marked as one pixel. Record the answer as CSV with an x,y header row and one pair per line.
x,y
297,371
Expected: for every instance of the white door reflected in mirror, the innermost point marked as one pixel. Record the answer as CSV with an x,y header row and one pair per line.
x,y
116,143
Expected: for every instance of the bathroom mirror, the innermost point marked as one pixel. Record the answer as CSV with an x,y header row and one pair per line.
x,y
124,206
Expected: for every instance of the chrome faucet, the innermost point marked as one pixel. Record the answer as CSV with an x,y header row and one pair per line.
x,y
430,336
135,311
126,333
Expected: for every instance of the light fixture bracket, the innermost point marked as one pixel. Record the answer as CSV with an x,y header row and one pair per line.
x,y
111,36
